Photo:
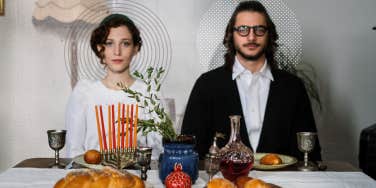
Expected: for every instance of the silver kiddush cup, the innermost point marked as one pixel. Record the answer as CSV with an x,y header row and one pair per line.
x,y
143,157
306,143
56,141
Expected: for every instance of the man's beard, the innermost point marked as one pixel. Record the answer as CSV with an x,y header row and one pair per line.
x,y
250,57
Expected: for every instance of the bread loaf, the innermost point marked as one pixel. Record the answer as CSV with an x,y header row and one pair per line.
x,y
271,159
106,178
220,183
256,183
92,157
241,180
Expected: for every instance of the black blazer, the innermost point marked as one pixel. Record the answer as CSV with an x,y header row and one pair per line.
x,y
215,97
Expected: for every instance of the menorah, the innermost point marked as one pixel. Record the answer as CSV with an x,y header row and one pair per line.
x,y
119,158
121,152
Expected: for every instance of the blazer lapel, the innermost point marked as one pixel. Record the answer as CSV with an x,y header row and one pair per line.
x,y
272,102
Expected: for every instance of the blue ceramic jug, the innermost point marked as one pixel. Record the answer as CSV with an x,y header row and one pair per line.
x,y
179,152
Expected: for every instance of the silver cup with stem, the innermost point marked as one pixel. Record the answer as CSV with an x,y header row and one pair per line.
x,y
306,143
212,165
143,158
56,141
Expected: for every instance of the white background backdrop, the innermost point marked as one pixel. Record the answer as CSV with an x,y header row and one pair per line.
x,y
338,41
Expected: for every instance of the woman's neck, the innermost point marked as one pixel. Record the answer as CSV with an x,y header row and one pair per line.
x,y
111,81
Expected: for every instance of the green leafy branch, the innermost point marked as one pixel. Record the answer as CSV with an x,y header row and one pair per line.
x,y
152,104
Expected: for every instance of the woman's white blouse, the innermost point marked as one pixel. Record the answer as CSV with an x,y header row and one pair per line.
x,y
80,120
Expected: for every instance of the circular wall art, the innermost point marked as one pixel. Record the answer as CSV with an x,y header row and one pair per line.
x,y
80,60
213,24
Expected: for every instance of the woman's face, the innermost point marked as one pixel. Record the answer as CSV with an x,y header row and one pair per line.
x,y
119,49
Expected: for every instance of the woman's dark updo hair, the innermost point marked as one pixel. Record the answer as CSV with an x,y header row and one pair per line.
x,y
100,34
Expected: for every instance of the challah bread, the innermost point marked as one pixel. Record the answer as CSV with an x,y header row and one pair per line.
x,y
106,178
271,159
220,183
256,183
241,180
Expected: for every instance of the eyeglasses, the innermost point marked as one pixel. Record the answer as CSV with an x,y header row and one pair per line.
x,y
258,30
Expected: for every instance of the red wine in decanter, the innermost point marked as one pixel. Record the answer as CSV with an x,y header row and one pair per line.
x,y
231,170
236,158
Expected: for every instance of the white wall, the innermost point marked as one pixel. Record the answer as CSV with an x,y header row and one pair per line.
x,y
34,85
337,40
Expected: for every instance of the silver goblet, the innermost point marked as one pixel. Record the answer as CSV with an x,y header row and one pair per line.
x,y
143,158
56,140
306,143
212,165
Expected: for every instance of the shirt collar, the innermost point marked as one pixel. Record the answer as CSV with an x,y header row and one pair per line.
x,y
238,69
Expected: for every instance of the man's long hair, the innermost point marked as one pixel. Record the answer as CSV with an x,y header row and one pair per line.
x,y
228,40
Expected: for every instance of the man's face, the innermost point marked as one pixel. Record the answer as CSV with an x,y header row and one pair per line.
x,y
252,46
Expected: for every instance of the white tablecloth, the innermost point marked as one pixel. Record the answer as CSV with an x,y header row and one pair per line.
x,y
46,178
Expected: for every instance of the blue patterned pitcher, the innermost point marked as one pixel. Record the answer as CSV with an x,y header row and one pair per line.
x,y
179,151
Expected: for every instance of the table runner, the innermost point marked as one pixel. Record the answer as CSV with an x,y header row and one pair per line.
x,y
46,178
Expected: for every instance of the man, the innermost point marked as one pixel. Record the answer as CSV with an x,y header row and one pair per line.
x,y
273,103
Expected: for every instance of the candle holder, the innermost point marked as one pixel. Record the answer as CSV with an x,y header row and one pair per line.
x,y
119,158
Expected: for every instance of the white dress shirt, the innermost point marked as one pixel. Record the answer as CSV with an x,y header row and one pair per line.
x,y
253,90
80,120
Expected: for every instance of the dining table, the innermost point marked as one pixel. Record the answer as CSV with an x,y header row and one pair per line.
x,y
35,172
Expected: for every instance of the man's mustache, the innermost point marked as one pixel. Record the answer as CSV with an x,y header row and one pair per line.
x,y
251,43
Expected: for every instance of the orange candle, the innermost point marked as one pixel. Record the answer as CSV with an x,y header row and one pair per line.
x,y
113,126
103,129
118,127
135,127
98,128
127,128
131,127
109,126
122,126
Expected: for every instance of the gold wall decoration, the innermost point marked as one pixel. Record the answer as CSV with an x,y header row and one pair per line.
x,y
2,7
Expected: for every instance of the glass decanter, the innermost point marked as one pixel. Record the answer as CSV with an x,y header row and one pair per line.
x,y
236,158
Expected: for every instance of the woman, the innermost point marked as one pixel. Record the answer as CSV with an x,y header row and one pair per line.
x,y
115,42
